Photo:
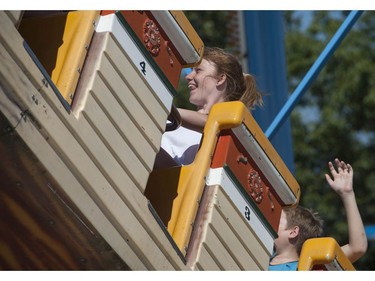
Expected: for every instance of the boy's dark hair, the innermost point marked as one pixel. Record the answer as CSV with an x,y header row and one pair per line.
x,y
309,222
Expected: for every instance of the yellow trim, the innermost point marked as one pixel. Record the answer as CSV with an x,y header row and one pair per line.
x,y
79,29
192,178
191,33
321,251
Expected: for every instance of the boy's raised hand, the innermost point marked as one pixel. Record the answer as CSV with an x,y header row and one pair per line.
x,y
342,182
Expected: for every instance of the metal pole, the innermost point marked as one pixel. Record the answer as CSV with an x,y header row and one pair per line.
x,y
312,73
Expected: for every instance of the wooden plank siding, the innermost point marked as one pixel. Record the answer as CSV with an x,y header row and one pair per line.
x,y
40,226
93,156
222,239
14,15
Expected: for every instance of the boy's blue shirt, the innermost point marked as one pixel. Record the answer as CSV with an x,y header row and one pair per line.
x,y
289,266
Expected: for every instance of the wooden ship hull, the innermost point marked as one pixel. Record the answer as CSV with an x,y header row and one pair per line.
x,y
84,101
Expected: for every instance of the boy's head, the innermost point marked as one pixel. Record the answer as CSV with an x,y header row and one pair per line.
x,y
299,224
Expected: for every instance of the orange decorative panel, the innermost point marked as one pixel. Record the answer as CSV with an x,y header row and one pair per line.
x,y
230,152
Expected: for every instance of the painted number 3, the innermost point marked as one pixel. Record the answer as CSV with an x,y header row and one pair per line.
x,y
247,213
143,67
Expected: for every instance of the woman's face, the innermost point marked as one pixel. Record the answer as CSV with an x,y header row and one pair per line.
x,y
202,83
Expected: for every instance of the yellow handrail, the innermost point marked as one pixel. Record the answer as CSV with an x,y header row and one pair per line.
x,y
192,178
227,115
323,251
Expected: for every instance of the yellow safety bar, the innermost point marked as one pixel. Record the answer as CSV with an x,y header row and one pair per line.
x,y
222,116
79,29
324,251
60,40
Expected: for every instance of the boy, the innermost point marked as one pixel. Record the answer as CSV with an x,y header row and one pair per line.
x,y
299,224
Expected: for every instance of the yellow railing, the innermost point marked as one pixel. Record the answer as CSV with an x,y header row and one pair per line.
x,y
323,254
191,183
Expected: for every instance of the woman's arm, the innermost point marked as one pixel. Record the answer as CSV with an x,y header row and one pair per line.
x,y
192,120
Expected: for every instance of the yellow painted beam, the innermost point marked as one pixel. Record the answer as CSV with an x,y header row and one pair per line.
x,y
78,31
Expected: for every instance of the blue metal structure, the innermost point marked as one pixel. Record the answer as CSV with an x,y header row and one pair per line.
x,y
266,61
313,72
